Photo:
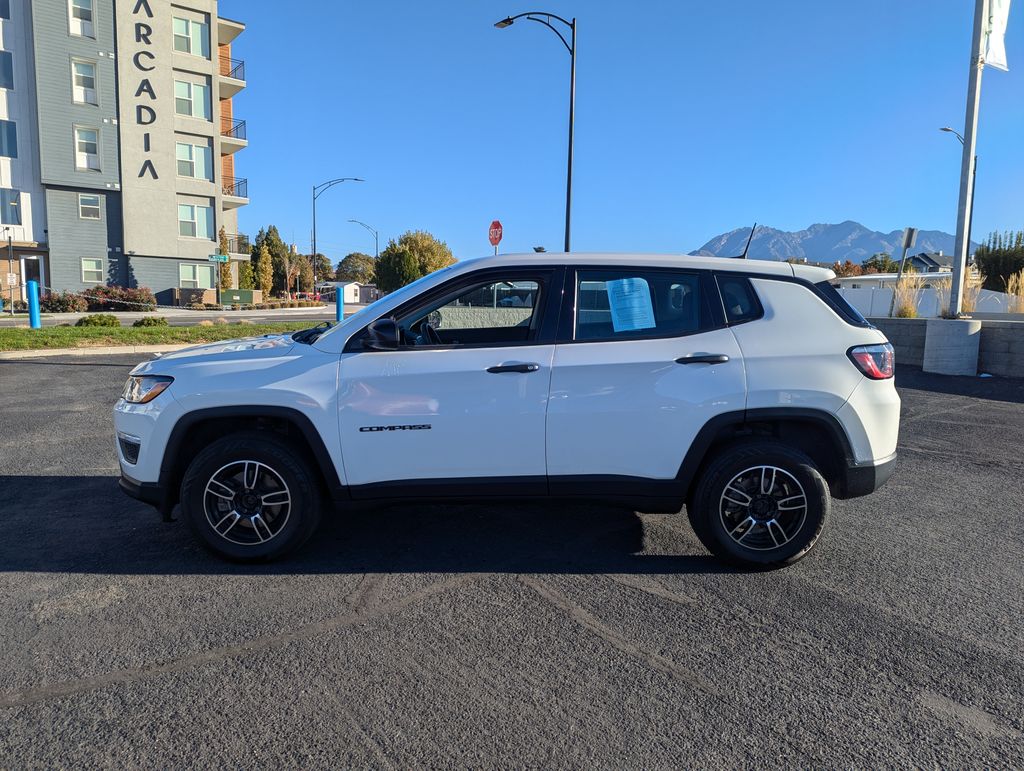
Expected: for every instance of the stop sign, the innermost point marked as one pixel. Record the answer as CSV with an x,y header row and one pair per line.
x,y
494,234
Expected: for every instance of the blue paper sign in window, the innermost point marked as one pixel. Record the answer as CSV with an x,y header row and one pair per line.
x,y
631,306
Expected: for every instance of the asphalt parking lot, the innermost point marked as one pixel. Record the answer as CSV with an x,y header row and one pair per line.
x,y
510,636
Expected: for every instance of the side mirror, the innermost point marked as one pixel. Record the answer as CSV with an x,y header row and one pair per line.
x,y
381,335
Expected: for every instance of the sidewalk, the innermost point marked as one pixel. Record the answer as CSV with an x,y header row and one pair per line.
x,y
182,316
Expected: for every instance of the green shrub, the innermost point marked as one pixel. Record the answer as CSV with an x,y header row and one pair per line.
x,y
151,321
62,302
98,320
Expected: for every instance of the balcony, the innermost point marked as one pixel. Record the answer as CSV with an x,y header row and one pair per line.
x,y
232,136
228,30
236,192
232,77
238,244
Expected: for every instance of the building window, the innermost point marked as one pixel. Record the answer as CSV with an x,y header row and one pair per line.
x,y
192,99
87,155
195,221
8,139
88,206
194,276
81,12
6,70
92,271
194,160
10,211
192,37
83,86
5,9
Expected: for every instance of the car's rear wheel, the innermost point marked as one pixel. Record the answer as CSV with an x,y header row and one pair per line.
x,y
251,497
761,504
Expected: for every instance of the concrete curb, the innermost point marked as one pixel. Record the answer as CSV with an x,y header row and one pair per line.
x,y
100,349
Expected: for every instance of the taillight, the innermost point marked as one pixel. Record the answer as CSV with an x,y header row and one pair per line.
x,y
877,362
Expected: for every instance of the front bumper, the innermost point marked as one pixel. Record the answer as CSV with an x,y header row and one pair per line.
x,y
864,478
156,494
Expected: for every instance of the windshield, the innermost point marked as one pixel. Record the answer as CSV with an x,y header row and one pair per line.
x,y
373,308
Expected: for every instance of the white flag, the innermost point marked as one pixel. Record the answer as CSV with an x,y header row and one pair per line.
x,y
995,45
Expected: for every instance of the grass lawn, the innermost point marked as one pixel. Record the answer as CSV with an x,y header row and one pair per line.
x,y
19,339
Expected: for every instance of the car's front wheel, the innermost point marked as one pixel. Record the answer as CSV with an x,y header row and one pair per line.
x,y
250,497
760,504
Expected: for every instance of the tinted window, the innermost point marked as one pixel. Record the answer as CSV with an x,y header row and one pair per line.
x,y
839,303
623,304
739,299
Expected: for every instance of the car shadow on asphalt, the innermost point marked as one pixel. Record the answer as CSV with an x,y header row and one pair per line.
x,y
86,525
1002,389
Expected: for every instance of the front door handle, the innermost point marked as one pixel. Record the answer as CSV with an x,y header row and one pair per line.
x,y
703,358
513,368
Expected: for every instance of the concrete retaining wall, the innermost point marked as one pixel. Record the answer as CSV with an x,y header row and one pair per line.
x,y
1001,351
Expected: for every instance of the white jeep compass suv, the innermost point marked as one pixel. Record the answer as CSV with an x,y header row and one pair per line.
x,y
749,392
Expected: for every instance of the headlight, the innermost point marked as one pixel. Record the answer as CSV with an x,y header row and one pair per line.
x,y
145,388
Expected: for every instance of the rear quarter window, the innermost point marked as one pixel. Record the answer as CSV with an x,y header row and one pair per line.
x,y
739,299
838,303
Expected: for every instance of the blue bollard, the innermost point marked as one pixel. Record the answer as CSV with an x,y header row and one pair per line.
x,y
339,306
33,305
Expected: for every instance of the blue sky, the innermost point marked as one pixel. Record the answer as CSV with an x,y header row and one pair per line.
x,y
691,119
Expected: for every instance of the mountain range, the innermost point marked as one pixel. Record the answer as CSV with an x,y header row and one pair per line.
x,y
822,243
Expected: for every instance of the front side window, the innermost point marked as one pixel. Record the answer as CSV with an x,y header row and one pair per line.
x,y
81,17
88,206
191,99
87,154
622,304
8,139
92,271
10,211
195,221
83,86
192,276
191,37
491,313
194,160
6,70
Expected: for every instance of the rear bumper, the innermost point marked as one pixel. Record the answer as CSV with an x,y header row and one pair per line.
x,y
864,478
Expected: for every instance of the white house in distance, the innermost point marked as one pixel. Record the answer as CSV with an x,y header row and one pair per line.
x,y
352,292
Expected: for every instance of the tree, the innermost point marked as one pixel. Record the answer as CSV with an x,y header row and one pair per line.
x,y
414,255
305,274
278,251
882,262
999,258
264,269
226,279
356,267
847,269
322,268
246,276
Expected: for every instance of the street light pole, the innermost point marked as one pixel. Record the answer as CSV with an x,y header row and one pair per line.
x,y
318,190
542,17
966,202
376,243
974,182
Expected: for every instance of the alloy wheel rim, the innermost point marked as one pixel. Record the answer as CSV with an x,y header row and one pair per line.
x,y
763,508
247,502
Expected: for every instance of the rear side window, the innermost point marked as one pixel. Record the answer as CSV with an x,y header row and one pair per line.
x,y
624,304
839,304
739,299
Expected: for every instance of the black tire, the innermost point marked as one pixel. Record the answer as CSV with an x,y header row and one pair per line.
x,y
264,529
742,532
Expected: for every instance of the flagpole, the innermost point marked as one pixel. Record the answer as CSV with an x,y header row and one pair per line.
x,y
956,293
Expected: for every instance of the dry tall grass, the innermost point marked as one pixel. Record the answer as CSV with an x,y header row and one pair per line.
x,y
908,291
1015,290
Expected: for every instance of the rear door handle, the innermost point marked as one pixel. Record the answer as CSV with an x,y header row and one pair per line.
x,y
703,358
513,368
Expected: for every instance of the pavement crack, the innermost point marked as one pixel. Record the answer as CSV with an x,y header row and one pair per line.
x,y
256,645
591,623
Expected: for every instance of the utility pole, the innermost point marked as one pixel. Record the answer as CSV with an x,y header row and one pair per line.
x,y
10,265
966,202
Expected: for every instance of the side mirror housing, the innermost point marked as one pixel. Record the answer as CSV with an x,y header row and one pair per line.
x,y
381,335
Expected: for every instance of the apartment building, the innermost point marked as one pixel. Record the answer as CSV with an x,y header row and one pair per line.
x,y
118,142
